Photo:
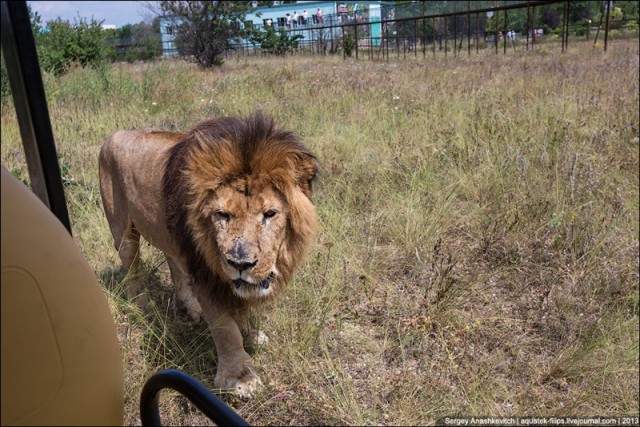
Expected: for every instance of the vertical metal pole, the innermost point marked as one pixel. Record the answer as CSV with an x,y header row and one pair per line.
x,y
566,38
528,23
397,27
504,36
469,28
455,35
495,36
404,45
595,40
415,38
533,26
424,38
446,36
477,32
386,36
355,31
606,28
21,59
435,36
424,34
564,17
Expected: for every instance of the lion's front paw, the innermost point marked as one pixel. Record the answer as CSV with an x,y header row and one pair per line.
x,y
244,384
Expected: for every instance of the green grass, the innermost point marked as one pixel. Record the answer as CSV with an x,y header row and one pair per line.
x,y
478,251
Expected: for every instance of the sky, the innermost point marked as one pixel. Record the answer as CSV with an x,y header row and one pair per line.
x,y
116,13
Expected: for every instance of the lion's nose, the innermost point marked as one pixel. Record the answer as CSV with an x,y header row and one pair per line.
x,y
241,266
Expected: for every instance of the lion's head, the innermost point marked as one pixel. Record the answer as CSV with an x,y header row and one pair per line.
x,y
238,195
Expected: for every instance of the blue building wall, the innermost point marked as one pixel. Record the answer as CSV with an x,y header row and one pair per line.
x,y
334,13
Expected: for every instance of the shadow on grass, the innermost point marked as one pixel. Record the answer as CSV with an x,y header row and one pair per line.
x,y
169,337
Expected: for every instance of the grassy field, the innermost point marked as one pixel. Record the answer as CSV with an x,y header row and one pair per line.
x,y
478,252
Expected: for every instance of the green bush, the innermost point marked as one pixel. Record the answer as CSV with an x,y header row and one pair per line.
x,y
65,43
348,42
277,43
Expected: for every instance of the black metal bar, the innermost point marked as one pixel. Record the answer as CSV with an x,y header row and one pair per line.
x,y
446,36
210,404
468,28
533,39
564,24
455,35
528,24
415,39
424,39
606,28
397,27
504,33
477,33
355,31
386,36
495,37
595,40
566,33
435,36
30,103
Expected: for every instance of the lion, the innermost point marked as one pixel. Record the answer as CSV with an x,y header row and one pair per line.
x,y
229,205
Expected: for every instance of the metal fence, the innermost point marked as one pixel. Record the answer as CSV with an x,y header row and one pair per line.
x,y
450,33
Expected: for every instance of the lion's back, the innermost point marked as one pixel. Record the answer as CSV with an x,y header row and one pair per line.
x,y
131,168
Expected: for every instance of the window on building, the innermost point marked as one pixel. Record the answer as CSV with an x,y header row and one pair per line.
x,y
170,30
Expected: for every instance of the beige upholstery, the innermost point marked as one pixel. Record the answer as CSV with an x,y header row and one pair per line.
x,y
60,355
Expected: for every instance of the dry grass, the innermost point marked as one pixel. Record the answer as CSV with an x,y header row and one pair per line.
x,y
479,244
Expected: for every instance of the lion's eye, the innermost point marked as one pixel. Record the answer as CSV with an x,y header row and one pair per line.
x,y
222,216
269,214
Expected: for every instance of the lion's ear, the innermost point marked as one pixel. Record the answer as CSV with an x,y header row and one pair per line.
x,y
307,168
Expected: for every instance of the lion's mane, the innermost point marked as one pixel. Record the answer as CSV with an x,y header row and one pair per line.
x,y
216,152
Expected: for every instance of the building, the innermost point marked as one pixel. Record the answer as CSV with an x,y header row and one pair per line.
x,y
333,16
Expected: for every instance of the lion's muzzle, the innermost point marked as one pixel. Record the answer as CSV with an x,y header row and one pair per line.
x,y
242,265
264,284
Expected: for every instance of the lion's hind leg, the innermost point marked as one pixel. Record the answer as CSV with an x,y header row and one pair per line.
x,y
182,282
128,246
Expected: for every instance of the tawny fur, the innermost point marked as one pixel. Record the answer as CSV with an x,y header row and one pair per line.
x,y
229,204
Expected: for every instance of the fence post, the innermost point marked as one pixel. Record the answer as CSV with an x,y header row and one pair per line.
x,y
504,36
446,36
477,32
468,28
435,36
606,28
397,37
564,23
424,38
415,38
533,40
386,36
528,25
355,32
566,37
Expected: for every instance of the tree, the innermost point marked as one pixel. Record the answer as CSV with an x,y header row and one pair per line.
x,y
205,28
138,42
